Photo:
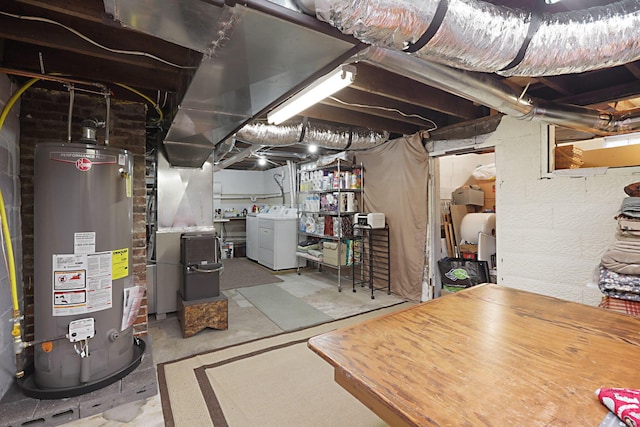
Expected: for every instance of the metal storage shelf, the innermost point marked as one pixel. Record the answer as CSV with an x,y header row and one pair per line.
x,y
329,213
342,164
371,260
319,260
341,170
332,190
319,236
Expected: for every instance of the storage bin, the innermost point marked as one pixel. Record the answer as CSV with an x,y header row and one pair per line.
x,y
468,196
240,250
200,281
198,247
330,253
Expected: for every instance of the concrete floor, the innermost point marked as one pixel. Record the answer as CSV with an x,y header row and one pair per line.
x,y
246,322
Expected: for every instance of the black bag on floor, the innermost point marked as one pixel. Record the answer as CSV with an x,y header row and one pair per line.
x,y
463,273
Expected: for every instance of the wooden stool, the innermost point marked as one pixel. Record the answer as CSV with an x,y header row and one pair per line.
x,y
197,315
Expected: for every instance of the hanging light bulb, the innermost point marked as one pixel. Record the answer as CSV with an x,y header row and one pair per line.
x,y
262,161
312,148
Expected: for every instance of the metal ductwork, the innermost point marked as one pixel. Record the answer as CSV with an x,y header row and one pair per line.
x,y
254,53
295,132
310,132
478,36
484,89
247,152
222,149
472,35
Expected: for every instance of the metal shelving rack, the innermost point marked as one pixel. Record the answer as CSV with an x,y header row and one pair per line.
x,y
371,265
344,233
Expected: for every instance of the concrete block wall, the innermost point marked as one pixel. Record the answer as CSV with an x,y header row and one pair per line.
x,y
10,186
44,119
551,232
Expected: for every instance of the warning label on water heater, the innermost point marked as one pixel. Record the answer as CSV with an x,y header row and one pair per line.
x,y
82,283
84,243
120,263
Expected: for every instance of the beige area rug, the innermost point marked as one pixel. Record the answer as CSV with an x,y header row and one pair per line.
x,y
276,381
242,272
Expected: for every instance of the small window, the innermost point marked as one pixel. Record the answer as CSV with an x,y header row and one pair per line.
x,y
610,152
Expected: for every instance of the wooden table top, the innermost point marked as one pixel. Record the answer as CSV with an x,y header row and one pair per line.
x,y
487,356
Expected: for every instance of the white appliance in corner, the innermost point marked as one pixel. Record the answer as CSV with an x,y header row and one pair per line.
x,y
252,236
278,238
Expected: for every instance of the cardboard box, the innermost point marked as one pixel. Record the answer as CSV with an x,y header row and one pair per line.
x,y
468,196
489,204
469,249
626,155
330,253
489,190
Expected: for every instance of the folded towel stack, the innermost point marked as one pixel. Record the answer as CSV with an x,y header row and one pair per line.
x,y
630,207
619,272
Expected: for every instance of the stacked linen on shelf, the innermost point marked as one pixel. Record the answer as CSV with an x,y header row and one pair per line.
x,y
310,248
308,245
620,265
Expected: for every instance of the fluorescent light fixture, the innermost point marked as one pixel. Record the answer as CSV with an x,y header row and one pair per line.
x,y
323,87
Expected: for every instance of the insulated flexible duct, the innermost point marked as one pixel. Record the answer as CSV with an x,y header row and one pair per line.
x,y
478,36
309,132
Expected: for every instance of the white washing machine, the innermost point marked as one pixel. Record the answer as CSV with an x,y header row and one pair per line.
x,y
278,239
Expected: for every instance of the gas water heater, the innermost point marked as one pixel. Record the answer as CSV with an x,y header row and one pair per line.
x,y
84,297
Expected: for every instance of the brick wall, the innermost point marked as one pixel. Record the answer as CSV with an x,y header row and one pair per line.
x,y
44,119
